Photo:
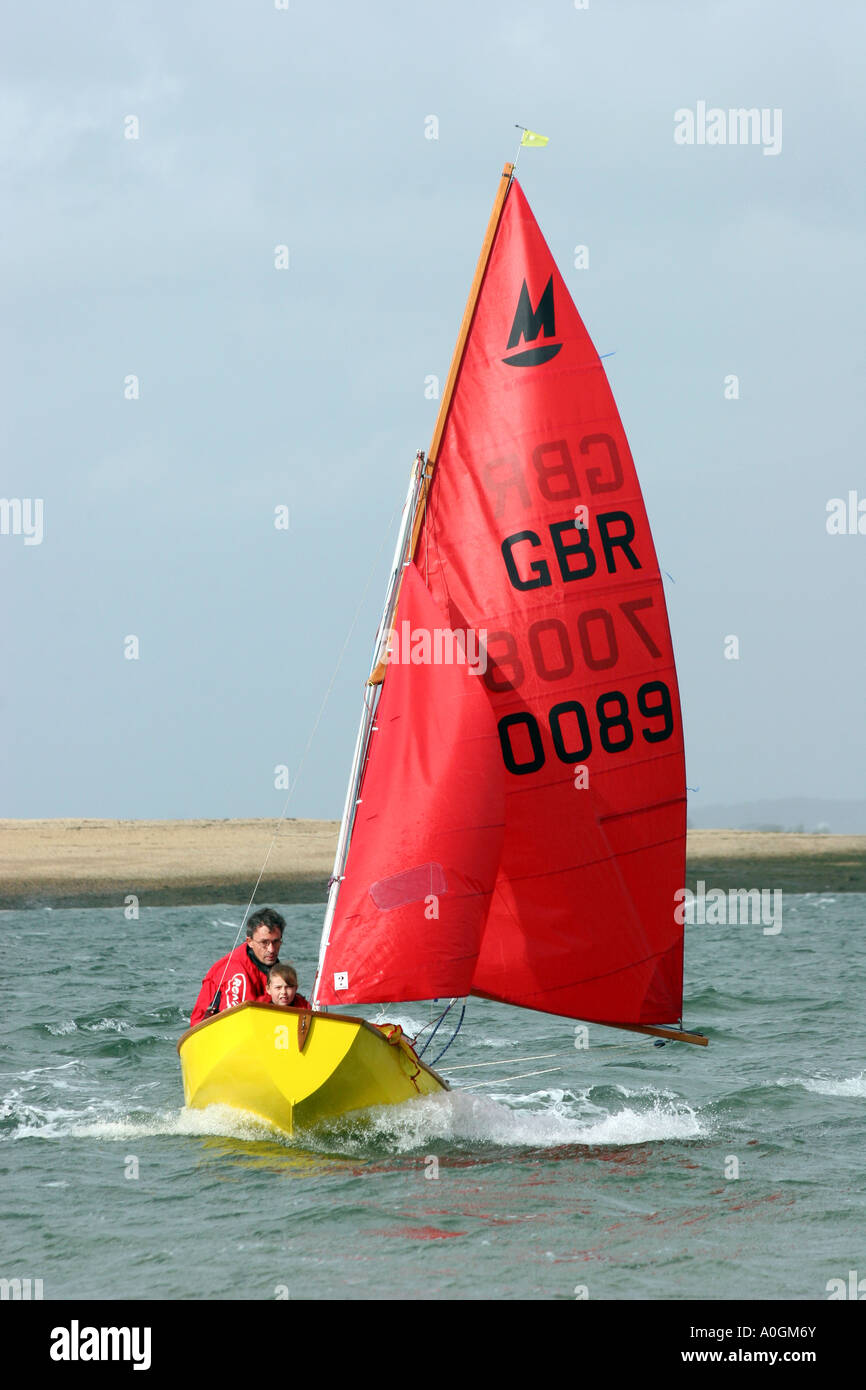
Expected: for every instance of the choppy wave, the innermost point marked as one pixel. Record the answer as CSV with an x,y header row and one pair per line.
x,y
36,1122
613,1160
220,1120
88,1025
31,1073
540,1119
829,1086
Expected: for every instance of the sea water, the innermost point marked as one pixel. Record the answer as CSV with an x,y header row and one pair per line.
x,y
553,1169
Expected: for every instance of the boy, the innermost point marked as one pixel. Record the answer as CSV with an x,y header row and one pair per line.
x,y
282,988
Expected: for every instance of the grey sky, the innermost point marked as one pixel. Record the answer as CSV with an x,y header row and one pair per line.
x,y
156,257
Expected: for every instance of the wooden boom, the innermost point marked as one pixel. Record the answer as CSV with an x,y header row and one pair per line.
x,y
672,1034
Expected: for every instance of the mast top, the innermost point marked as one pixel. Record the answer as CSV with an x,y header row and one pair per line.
x,y
475,290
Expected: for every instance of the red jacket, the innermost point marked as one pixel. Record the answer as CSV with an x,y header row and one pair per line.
x,y
235,979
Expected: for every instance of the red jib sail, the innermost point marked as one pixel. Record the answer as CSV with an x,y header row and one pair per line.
x,y
427,837
534,534
535,530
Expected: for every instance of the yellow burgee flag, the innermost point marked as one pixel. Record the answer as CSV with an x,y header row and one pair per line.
x,y
531,137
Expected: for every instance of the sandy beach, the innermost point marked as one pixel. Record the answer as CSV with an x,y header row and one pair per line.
x,y
97,863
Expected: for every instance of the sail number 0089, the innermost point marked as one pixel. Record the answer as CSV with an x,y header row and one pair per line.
x,y
570,731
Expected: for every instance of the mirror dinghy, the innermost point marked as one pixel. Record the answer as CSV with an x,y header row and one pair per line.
x,y
515,820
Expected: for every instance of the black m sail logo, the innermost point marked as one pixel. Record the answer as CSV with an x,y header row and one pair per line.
x,y
528,324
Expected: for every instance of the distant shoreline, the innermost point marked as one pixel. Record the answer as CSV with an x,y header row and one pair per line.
x,y
98,863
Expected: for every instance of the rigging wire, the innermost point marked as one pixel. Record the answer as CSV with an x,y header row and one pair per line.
x,y
290,793
372,690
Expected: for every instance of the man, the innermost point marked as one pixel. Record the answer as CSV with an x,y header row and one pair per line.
x,y
242,975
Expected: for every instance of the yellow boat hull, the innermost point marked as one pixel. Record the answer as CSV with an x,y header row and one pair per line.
x,y
295,1068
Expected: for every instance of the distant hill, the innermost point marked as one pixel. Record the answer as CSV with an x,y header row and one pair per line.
x,y
790,813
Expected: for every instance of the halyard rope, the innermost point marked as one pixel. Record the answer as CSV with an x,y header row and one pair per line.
x,y
453,1035
443,1014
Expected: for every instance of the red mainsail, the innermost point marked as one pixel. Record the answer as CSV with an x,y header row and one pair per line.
x,y
535,529
534,532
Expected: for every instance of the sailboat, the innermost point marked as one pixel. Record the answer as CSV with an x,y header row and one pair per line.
x,y
514,825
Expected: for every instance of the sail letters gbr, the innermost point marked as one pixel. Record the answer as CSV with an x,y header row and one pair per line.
x,y
535,529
